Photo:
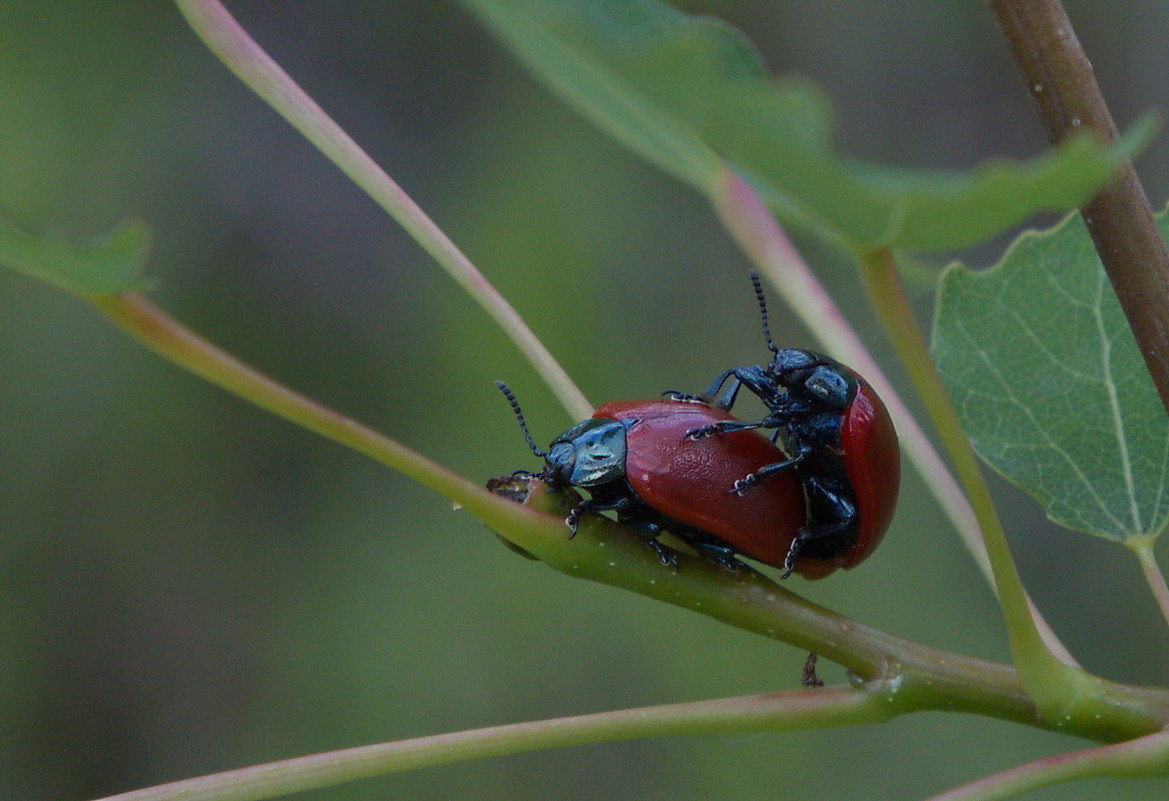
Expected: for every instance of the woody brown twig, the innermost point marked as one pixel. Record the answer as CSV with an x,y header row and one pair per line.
x,y
1063,87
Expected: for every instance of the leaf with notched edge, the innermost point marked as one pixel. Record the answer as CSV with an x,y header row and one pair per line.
x,y
691,94
1050,386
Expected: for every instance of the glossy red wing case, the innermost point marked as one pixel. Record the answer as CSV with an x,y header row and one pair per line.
x,y
872,461
690,480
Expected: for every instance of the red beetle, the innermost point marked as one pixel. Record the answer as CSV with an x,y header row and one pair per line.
x,y
842,441
634,458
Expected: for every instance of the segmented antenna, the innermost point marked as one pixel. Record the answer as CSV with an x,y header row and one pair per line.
x,y
755,282
519,415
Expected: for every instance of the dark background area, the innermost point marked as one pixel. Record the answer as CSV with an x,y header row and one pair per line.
x,y
188,584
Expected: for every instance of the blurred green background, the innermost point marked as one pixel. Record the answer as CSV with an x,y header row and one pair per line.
x,y
189,585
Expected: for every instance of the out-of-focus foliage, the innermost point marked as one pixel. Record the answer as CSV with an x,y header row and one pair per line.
x,y
189,585
112,264
690,93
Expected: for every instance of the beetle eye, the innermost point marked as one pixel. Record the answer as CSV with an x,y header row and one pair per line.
x,y
560,461
791,365
830,386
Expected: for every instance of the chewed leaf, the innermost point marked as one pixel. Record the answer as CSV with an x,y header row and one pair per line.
x,y
1051,387
691,94
110,265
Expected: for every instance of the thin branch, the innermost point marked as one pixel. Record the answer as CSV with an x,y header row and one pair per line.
x,y
1063,87
890,302
785,711
224,36
1143,547
164,335
1142,758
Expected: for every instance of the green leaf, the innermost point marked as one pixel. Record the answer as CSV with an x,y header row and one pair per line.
x,y
110,265
692,95
1051,387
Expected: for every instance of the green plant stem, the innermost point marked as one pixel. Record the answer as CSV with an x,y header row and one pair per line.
x,y
1143,758
224,36
1143,547
1063,87
1052,683
908,675
772,712
923,677
165,336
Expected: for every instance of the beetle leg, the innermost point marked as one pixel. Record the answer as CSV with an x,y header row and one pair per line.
x,y
842,523
789,561
719,553
767,471
591,505
827,503
665,555
574,516
721,427
723,398
682,397
754,378
629,513
649,530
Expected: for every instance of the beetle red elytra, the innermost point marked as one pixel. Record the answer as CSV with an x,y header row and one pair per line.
x,y
841,439
634,458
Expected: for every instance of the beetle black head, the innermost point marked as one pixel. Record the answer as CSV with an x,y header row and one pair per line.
x,y
589,454
805,371
793,365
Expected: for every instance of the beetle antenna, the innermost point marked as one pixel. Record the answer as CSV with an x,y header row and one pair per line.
x,y
759,296
519,415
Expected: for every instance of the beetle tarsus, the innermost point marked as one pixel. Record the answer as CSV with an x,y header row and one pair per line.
x,y
683,397
665,555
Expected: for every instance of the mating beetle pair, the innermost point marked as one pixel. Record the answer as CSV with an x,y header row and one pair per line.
x,y
683,464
